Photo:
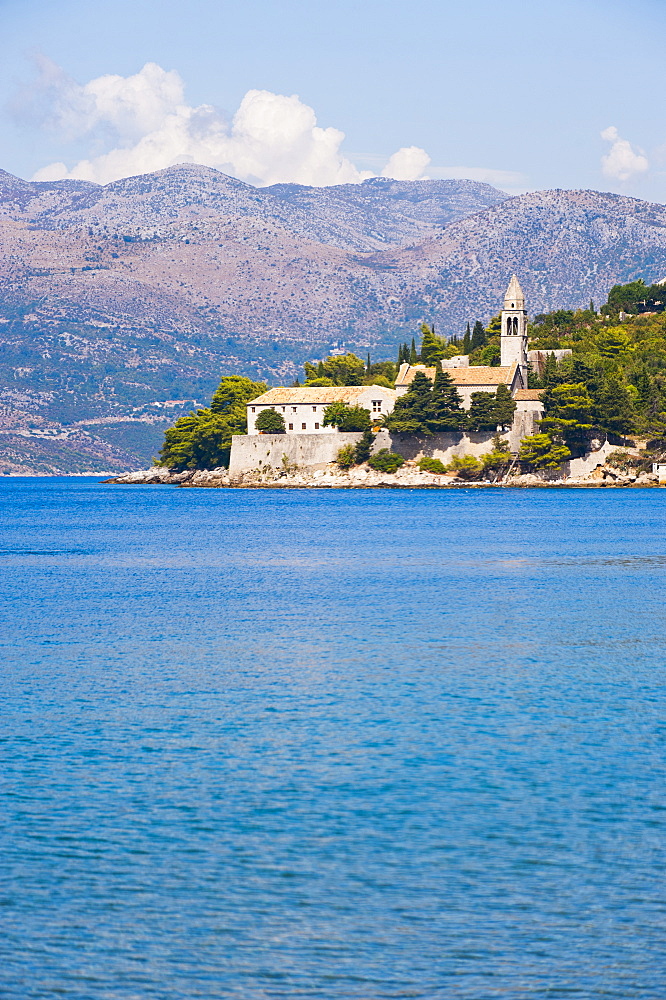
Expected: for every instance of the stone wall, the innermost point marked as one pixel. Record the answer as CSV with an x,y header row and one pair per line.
x,y
311,451
316,451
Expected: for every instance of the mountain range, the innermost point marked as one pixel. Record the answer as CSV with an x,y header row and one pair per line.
x,y
121,305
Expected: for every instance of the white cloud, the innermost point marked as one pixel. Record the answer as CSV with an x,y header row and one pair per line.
x,y
142,123
622,161
407,164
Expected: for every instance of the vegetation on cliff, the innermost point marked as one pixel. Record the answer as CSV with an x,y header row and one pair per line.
x,y
202,439
614,382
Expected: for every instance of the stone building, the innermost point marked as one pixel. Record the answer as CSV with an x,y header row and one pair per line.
x,y
511,371
303,408
466,378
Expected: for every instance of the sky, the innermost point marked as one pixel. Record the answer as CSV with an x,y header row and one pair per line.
x,y
525,96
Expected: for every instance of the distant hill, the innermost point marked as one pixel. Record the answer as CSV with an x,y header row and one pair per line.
x,y
116,298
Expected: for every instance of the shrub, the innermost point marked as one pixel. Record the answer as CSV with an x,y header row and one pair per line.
x,y
270,421
499,457
364,447
386,461
465,468
539,451
346,456
426,464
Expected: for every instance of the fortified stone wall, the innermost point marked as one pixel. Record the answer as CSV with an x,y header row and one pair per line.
x,y
316,451
311,451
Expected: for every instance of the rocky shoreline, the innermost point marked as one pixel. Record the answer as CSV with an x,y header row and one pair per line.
x,y
361,477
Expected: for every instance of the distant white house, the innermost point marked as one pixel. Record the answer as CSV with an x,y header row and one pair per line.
x,y
303,408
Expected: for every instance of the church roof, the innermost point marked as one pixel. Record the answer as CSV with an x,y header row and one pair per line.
x,y
515,297
528,394
477,375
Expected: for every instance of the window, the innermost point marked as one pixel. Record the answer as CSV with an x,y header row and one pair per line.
x,y
376,405
293,409
291,427
303,426
316,427
284,409
314,409
254,409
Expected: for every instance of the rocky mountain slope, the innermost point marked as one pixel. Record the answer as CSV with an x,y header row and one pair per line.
x,y
117,300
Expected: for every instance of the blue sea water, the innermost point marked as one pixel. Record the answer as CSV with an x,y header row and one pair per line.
x,y
327,744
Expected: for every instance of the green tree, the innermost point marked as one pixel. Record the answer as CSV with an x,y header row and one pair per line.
x,y
539,451
433,348
467,467
479,337
413,356
444,410
233,392
427,464
498,458
346,456
363,449
411,413
270,422
505,406
613,407
494,328
202,439
343,369
346,418
386,461
467,341
482,409
568,415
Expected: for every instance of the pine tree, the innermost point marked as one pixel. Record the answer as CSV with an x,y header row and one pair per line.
x,y
613,407
411,413
432,348
467,341
446,411
482,411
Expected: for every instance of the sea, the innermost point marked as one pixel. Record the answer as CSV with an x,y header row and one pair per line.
x,y
344,745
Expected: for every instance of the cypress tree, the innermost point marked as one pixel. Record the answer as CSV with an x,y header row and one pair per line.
x,y
413,356
467,341
549,376
505,406
367,370
478,336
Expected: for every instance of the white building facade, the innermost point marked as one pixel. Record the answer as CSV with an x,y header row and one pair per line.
x,y
302,409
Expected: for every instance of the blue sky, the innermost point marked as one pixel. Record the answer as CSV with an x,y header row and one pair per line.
x,y
515,93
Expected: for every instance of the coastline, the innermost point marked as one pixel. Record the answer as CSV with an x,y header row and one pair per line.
x,y
360,478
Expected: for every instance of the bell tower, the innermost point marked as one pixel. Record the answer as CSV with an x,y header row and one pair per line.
x,y
514,329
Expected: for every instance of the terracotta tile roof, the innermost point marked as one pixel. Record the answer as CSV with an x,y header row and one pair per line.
x,y
528,394
321,395
474,375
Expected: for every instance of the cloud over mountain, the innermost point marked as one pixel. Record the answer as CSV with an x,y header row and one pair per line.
x,y
143,122
622,161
